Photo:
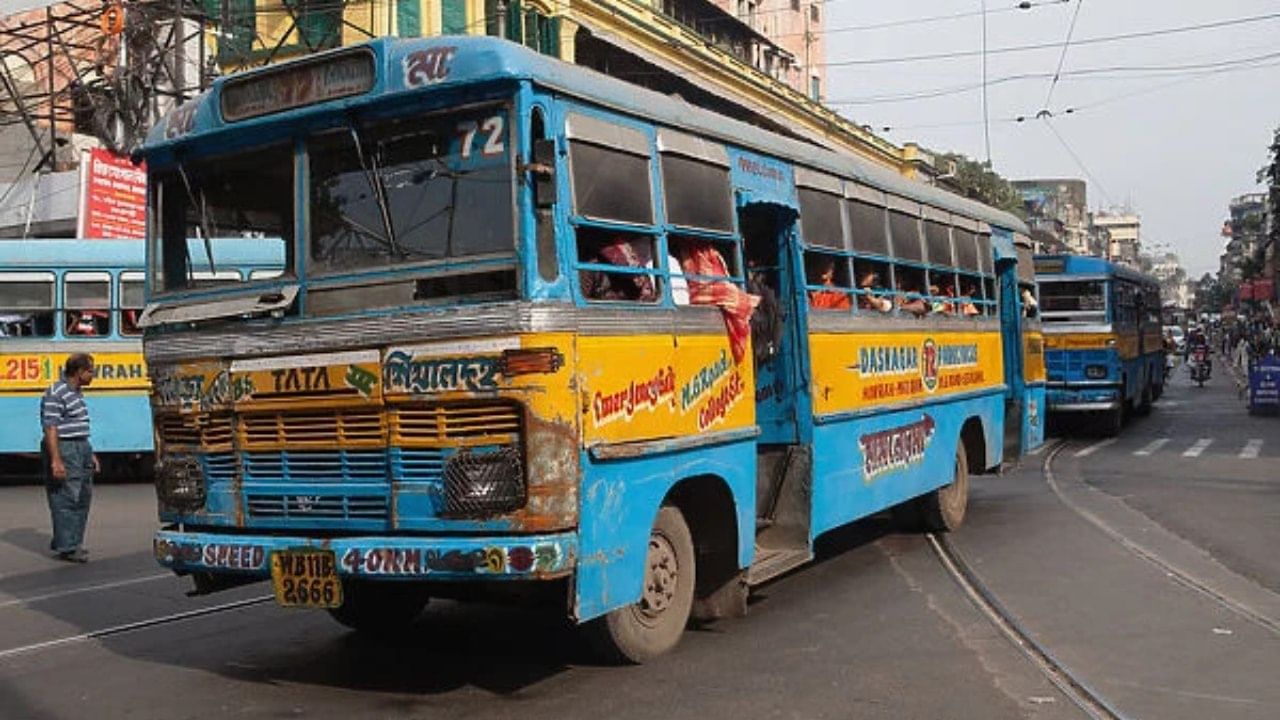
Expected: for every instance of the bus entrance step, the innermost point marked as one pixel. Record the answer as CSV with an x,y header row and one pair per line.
x,y
772,562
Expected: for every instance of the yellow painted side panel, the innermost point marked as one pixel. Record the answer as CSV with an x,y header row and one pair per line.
x,y
36,371
858,371
1033,370
649,387
1126,344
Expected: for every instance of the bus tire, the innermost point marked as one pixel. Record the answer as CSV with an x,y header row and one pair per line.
x,y
1143,407
943,509
1112,422
653,625
379,608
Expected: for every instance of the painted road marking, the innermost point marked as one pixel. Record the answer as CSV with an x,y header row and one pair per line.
x,y
84,589
1199,447
1151,447
1095,447
1251,449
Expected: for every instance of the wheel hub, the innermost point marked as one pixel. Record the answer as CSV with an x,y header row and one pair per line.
x,y
660,577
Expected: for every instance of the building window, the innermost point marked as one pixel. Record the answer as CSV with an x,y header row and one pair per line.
x,y
795,5
239,27
453,17
319,23
813,13
815,88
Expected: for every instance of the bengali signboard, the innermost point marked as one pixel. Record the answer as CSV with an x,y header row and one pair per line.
x,y
113,196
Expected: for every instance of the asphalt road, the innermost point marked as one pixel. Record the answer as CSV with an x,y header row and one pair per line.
x,y
875,629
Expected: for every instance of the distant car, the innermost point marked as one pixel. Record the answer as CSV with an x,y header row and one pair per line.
x,y
1179,337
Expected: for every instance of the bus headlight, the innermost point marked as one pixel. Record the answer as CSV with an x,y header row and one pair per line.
x,y
484,483
180,483
1095,372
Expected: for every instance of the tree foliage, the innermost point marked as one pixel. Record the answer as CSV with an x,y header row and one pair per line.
x,y
1270,176
977,180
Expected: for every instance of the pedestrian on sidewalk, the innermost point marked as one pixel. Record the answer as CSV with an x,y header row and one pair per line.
x,y
69,463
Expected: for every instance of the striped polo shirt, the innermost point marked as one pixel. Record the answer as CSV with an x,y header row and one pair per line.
x,y
63,407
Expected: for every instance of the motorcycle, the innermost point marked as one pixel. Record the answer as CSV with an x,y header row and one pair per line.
x,y
1200,365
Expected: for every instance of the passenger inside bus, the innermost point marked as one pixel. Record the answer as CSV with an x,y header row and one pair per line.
x,y
701,258
910,285
968,308
871,298
822,269
87,322
1030,307
623,252
766,322
938,302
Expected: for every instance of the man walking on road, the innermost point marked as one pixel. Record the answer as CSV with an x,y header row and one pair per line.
x,y
69,461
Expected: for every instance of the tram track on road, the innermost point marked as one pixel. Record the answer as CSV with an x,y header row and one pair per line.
x,y
134,626
1177,574
1071,685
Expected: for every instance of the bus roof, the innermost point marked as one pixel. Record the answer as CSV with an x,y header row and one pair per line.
x,y
52,254
71,253
428,65
1062,265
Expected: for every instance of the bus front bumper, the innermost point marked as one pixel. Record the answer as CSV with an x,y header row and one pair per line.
x,y
523,557
1082,399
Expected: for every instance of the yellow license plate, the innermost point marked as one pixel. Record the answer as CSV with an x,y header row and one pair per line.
x,y
306,578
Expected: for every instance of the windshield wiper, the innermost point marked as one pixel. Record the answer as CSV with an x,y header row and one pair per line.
x,y
374,177
204,220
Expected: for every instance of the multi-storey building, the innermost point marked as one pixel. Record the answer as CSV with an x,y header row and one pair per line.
x,y
1123,236
1057,211
762,61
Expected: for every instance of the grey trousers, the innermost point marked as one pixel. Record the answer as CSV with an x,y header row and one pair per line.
x,y
69,499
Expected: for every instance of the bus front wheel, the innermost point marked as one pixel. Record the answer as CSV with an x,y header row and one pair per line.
x,y
653,625
379,608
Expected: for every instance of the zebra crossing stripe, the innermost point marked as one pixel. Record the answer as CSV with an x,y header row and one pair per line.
x,y
1199,447
1095,447
1251,449
1151,447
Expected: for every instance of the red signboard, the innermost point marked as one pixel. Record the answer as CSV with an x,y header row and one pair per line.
x,y
1263,289
113,196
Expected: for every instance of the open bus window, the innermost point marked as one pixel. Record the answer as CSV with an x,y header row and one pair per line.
x,y
27,305
131,302
413,190
617,266
969,301
829,281
990,303
943,293
911,296
223,212
874,285
1073,300
688,260
86,299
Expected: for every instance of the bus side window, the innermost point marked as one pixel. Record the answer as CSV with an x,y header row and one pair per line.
x,y
970,302
991,303
874,285
87,303
942,292
829,281
910,297
131,303
684,259
27,305
616,265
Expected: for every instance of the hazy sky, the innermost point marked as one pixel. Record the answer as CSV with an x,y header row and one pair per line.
x,y
1174,144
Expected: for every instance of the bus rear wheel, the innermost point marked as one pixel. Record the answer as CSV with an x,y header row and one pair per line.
x,y
1113,422
379,608
944,508
652,626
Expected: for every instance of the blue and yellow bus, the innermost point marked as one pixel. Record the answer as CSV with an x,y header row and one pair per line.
x,y
539,328
59,296
1103,338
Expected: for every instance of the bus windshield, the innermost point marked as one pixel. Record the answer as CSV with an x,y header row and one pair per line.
x,y
247,195
1073,299
412,190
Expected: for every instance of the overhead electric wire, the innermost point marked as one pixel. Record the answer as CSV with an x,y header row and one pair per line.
x,y
1093,73
1063,57
1045,46
1105,195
